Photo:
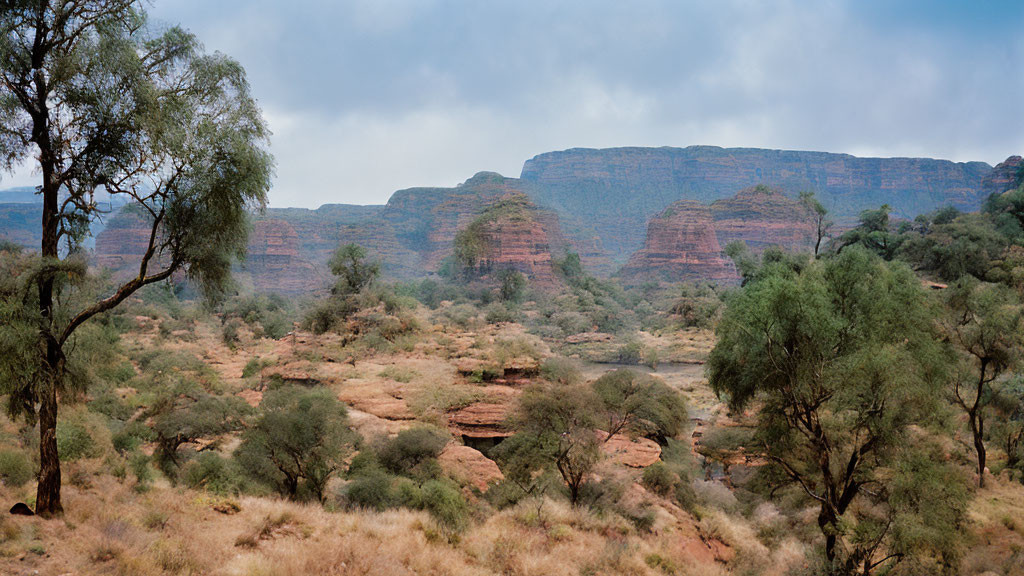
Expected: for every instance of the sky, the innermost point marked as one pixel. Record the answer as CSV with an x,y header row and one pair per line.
x,y
365,97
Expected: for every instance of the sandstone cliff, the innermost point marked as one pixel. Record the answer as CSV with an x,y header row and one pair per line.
x,y
681,245
275,264
762,217
511,234
612,193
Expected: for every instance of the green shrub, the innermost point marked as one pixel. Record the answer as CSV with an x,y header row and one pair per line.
x,y
630,353
371,490
497,313
139,464
659,479
15,468
74,441
561,370
413,452
130,437
446,505
212,472
252,367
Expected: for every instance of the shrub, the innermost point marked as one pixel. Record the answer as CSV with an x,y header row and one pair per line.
x,y
446,505
561,370
659,479
229,333
298,443
371,490
15,468
212,472
74,441
139,464
413,452
252,367
497,313
630,353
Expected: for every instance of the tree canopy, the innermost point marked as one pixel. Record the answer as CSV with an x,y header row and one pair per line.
x,y
843,360
107,106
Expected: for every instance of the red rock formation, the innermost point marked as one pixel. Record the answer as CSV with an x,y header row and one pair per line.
x,y
274,261
470,465
481,420
513,234
681,246
762,217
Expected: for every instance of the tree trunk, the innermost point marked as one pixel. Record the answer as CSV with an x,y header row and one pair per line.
x,y
978,430
48,490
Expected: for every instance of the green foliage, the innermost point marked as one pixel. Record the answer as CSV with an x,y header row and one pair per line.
x,y
445,505
211,472
659,479
512,286
413,452
559,370
640,404
74,440
16,469
843,358
187,413
267,315
354,274
556,429
298,442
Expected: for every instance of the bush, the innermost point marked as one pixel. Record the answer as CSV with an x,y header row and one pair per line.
x,y
413,452
446,505
659,479
74,441
298,443
630,353
561,370
497,313
15,468
371,490
212,472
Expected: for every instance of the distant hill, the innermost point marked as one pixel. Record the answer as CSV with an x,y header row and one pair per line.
x,y
604,201
21,195
612,193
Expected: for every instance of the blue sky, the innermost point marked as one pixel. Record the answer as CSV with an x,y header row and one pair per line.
x,y
369,96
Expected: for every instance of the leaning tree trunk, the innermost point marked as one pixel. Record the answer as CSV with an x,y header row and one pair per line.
x,y
978,430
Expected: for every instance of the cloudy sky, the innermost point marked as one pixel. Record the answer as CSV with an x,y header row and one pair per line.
x,y
368,96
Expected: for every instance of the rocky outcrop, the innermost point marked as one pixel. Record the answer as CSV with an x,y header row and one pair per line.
x,y
1005,176
470,466
681,245
481,420
610,194
760,217
511,234
637,453
274,262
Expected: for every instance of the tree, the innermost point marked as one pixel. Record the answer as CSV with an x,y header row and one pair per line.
x,y
872,233
557,427
103,104
188,413
298,443
354,273
639,403
843,361
986,327
819,213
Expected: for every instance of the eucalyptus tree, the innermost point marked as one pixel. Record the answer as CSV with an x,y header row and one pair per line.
x,y
102,104
842,360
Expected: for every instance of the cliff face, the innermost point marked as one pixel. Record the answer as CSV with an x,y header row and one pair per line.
x,y
121,245
512,234
611,193
1005,176
762,217
681,245
274,261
